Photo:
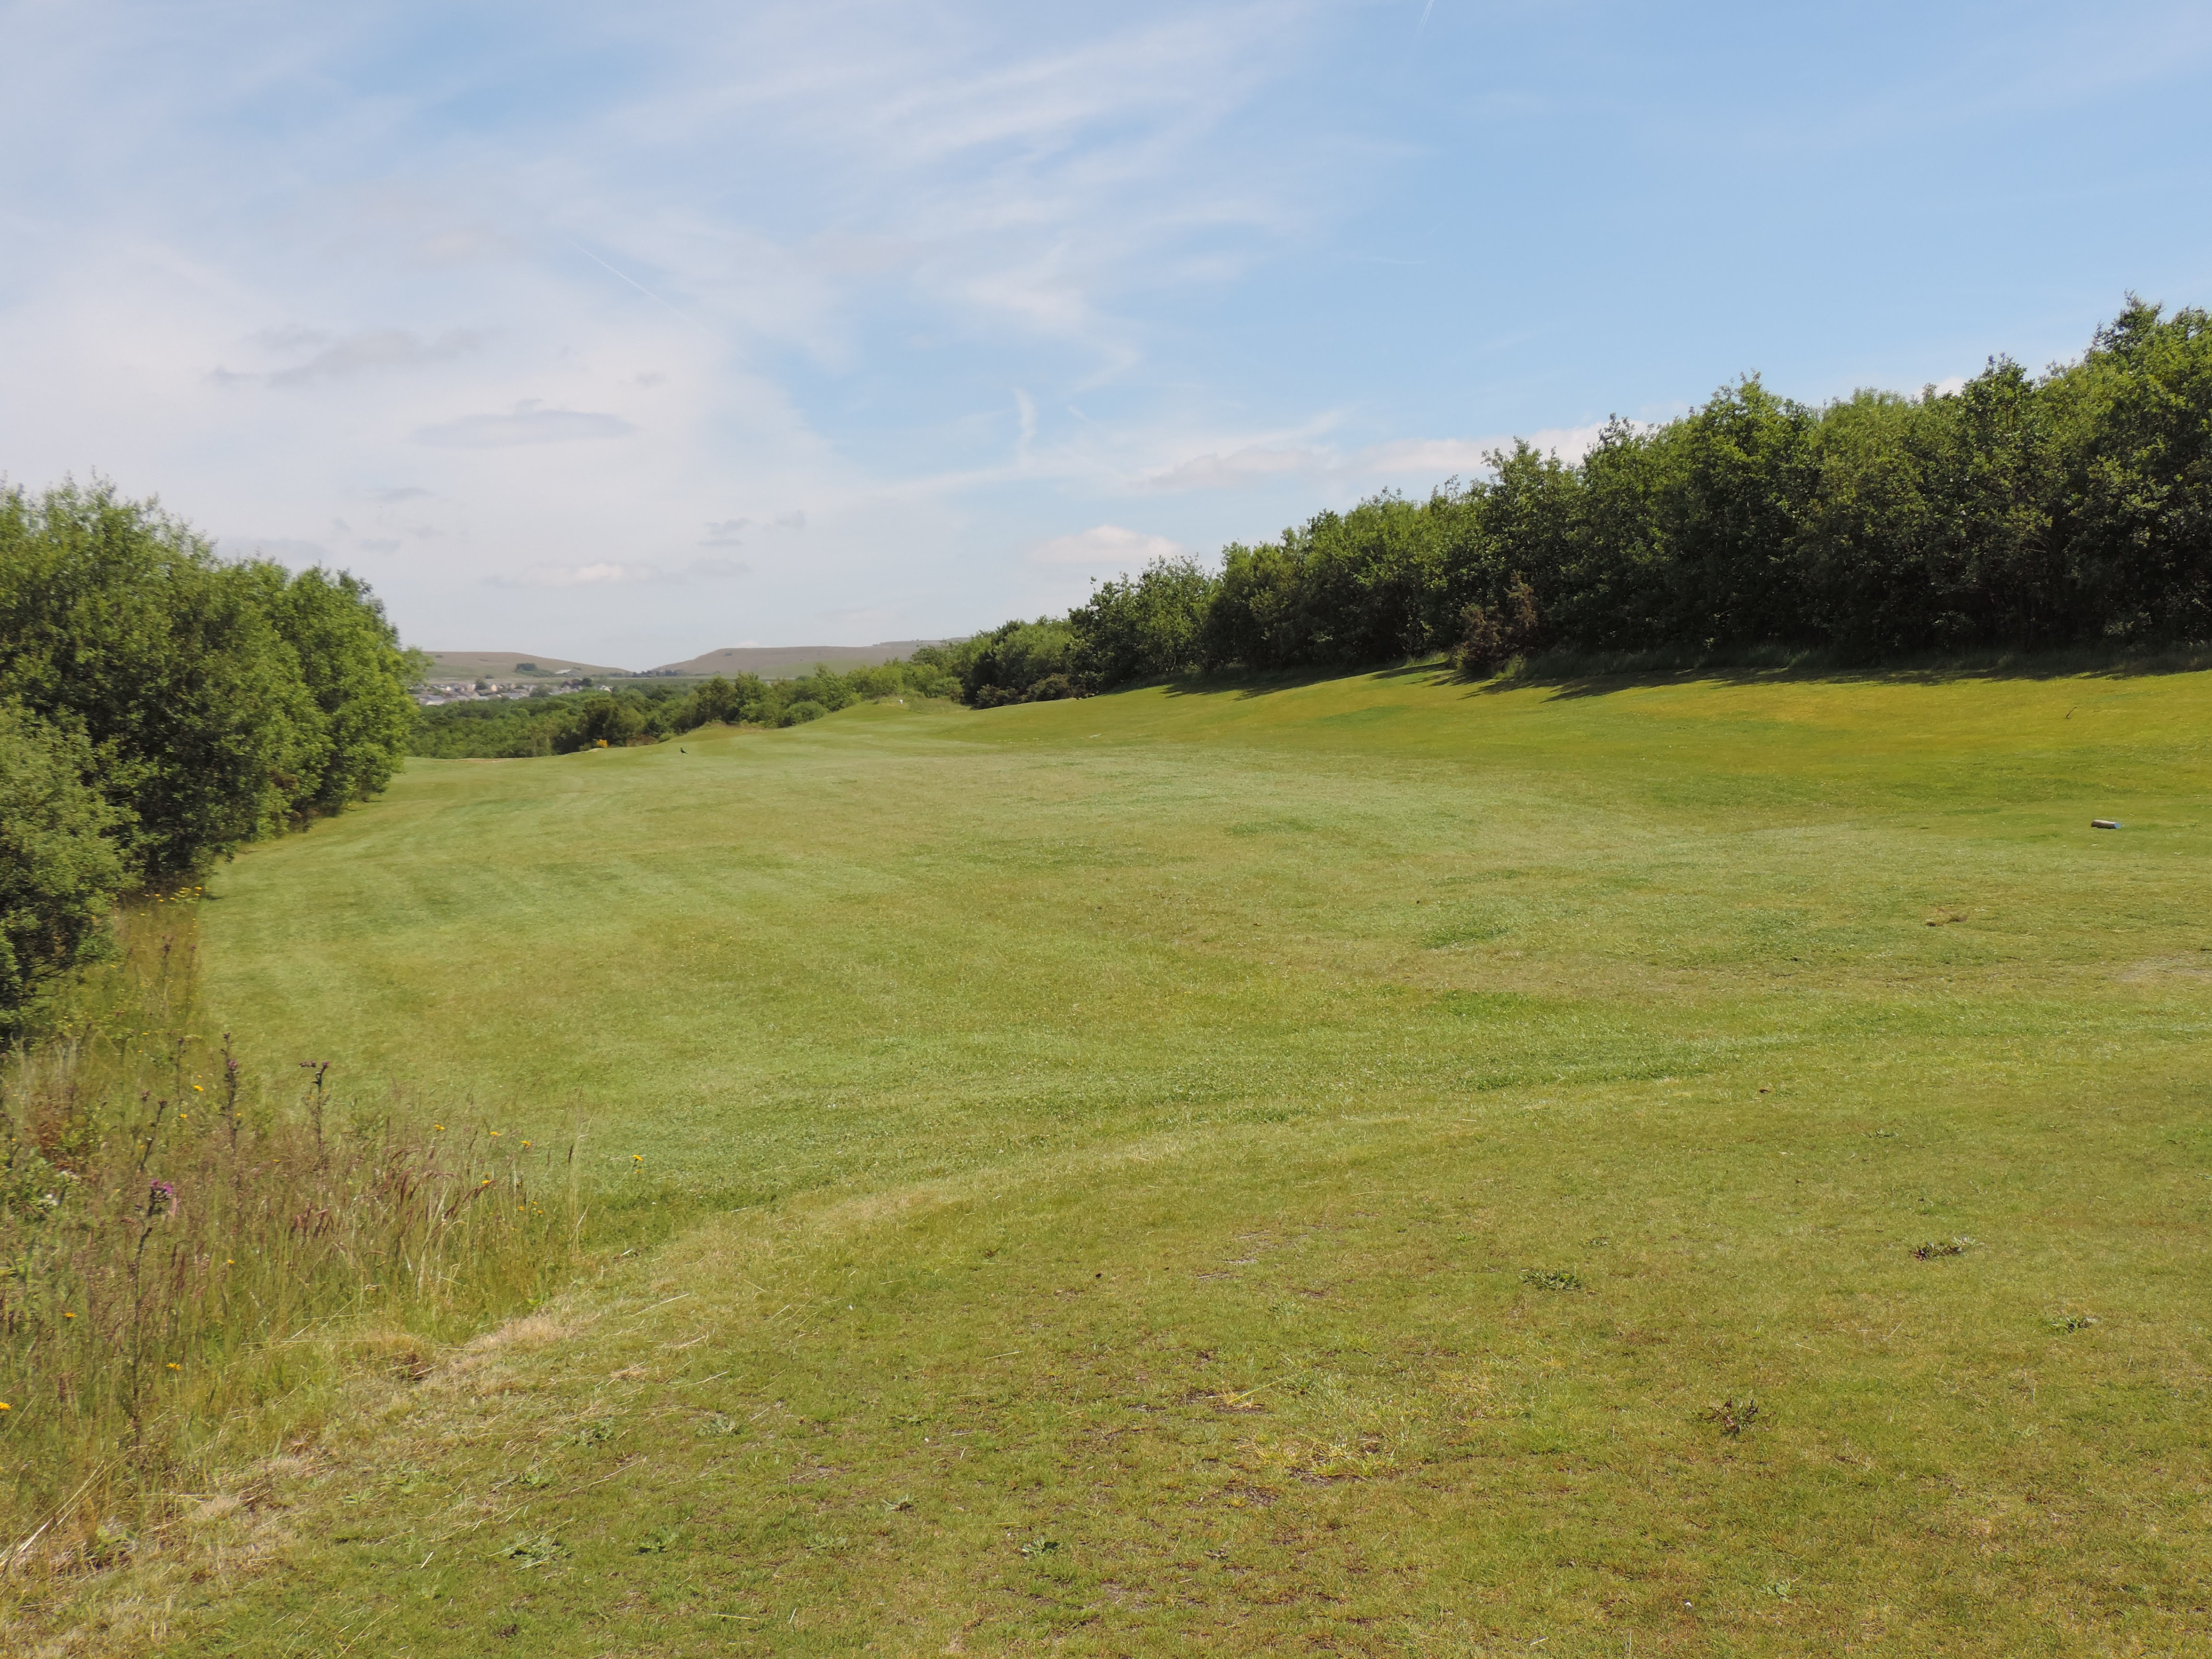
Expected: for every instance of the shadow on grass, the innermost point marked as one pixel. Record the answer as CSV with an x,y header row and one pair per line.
x,y
1572,674
1568,674
1244,684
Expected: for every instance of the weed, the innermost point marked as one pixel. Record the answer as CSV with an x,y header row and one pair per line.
x,y
1734,1416
533,1549
715,1424
2073,1322
1036,1548
1550,1281
658,1541
1930,1249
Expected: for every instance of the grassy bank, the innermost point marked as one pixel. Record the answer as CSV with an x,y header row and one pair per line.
x,y
1375,1164
200,1256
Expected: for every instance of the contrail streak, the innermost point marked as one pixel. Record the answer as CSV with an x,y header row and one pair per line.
x,y
679,316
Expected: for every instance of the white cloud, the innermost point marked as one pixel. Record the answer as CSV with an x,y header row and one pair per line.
x,y
528,423
1106,545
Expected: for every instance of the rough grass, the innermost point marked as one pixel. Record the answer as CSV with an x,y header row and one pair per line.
x,y
198,1257
1375,1166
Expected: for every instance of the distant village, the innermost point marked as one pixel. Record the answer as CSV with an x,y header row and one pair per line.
x,y
430,693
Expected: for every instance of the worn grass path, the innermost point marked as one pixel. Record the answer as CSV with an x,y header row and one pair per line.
x,y
1331,1167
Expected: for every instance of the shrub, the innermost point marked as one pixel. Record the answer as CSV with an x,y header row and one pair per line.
x,y
118,624
220,701
1493,635
58,873
349,658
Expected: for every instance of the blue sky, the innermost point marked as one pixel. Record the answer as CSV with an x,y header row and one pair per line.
x,y
628,332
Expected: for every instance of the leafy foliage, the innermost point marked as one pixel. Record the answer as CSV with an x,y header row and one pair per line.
x,y
351,659
58,871
165,707
2015,511
118,624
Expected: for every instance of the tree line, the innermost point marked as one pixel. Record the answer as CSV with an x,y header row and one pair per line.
x,y
653,712
161,707
2018,510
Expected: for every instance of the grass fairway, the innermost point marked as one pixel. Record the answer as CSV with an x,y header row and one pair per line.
x,y
1302,1168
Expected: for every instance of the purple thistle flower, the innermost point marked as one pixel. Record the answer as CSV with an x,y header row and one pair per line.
x,y
161,1199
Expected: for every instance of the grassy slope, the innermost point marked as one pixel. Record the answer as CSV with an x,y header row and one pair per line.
x,y
1113,1136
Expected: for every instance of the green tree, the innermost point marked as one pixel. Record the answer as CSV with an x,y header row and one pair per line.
x,y
2135,420
1144,627
349,657
1018,662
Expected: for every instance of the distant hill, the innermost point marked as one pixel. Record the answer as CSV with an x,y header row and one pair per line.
x,y
509,665
775,662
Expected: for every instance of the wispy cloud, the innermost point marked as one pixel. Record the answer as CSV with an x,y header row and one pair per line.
x,y
609,573
638,277
1236,469
324,357
732,532
286,549
1104,545
1431,459
529,422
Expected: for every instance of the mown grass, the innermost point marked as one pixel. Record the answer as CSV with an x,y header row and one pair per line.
x,y
1321,1165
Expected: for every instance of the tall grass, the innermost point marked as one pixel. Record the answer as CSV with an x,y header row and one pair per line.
x,y
194,1250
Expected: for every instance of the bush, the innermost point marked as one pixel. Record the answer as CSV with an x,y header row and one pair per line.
x,y
220,701
1493,635
1004,665
118,624
348,654
58,873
